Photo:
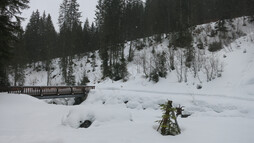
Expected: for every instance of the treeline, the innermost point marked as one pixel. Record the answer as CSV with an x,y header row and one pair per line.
x,y
117,21
41,42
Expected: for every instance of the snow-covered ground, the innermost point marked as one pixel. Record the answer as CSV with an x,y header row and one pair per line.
x,y
28,120
125,112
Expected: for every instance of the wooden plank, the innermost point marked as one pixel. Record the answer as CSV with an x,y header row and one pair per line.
x,y
59,96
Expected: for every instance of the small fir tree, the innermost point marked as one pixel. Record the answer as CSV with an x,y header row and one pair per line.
x,y
168,124
93,64
215,46
19,75
85,79
70,77
154,76
161,66
123,70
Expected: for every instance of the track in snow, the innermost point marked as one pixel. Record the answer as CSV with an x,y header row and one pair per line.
x,y
178,93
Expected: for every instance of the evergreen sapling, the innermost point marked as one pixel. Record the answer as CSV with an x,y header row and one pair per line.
x,y
168,124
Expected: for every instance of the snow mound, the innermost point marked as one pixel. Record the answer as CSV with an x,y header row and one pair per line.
x,y
125,98
20,100
98,114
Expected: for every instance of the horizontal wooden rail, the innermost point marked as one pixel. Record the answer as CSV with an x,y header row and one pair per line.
x,y
49,90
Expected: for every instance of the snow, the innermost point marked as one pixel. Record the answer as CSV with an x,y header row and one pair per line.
x,y
221,112
221,120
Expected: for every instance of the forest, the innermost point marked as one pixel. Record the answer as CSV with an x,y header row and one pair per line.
x,y
116,22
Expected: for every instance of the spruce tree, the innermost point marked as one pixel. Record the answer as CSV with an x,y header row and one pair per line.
x,y
94,38
69,14
50,44
18,61
86,33
51,38
9,25
32,37
69,37
70,80
110,19
133,19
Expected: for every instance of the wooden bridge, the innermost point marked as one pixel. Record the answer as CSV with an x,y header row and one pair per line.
x,y
50,92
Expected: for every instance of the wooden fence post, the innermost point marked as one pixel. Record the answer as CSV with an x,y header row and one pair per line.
x,y
41,91
72,90
57,91
22,90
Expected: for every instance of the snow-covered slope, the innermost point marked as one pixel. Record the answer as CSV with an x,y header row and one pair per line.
x,y
221,112
238,37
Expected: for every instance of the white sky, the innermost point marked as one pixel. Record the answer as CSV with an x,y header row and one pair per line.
x,y
87,7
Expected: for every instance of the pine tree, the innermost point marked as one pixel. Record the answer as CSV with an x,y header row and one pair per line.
x,y
109,18
94,38
50,44
99,14
32,37
70,27
86,33
76,39
42,38
70,36
18,61
161,66
9,25
70,80
51,38
133,19
169,124
69,14
100,20
63,14
19,75
73,13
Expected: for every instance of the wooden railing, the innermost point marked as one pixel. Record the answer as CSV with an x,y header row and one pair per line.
x,y
49,90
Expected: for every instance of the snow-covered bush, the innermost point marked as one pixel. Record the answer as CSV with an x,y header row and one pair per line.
x,y
216,46
85,79
212,67
154,76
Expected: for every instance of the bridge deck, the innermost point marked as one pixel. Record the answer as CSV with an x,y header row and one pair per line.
x,y
48,92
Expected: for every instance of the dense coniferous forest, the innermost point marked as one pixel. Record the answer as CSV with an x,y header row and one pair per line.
x,y
117,21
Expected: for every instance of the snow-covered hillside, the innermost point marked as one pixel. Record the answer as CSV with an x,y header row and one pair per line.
x,y
219,67
221,112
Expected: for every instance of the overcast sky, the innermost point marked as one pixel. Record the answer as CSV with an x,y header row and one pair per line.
x,y
87,7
